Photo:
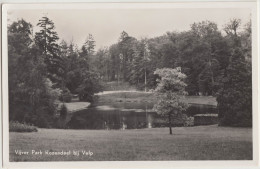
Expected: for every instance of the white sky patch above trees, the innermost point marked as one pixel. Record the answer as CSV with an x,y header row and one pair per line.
x,y
106,24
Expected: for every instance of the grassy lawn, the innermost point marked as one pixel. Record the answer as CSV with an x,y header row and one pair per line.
x,y
190,143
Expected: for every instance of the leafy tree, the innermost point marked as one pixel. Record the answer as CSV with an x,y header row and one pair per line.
x,y
232,29
170,92
246,41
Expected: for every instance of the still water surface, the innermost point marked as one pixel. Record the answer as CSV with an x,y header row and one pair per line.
x,y
128,115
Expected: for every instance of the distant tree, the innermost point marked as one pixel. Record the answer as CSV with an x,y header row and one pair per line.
x,y
170,92
84,57
70,63
232,29
208,37
126,47
246,41
139,67
101,63
114,65
90,44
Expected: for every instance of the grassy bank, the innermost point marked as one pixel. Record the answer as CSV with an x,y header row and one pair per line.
x,y
75,106
192,143
139,96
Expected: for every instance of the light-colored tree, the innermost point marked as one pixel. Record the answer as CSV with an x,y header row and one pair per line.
x,y
170,92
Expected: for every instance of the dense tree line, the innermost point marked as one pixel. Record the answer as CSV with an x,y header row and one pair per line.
x,y
215,62
42,70
203,52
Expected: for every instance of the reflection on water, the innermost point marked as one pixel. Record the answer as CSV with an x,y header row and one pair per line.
x,y
128,115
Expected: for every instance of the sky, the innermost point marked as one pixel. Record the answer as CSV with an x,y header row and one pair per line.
x,y
106,24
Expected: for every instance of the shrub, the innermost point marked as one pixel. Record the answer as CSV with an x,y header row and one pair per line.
x,y
90,85
36,106
188,121
205,119
65,96
63,111
15,126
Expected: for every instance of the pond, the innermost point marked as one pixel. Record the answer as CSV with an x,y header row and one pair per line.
x,y
129,115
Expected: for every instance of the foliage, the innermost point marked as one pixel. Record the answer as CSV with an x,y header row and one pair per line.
x,y
90,44
15,126
90,85
31,96
79,77
63,111
235,97
40,68
188,121
65,96
46,40
170,91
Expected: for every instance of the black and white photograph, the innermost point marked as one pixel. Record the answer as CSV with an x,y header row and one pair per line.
x,y
130,82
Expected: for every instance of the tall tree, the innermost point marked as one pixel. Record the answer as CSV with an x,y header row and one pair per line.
x,y
46,40
115,62
126,46
208,36
235,96
102,63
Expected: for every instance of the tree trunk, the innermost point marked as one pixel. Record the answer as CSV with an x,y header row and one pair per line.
x,y
170,123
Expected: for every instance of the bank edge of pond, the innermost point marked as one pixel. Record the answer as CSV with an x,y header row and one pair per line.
x,y
139,96
135,96
75,106
130,96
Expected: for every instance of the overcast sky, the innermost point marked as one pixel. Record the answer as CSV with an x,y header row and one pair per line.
x,y
107,24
